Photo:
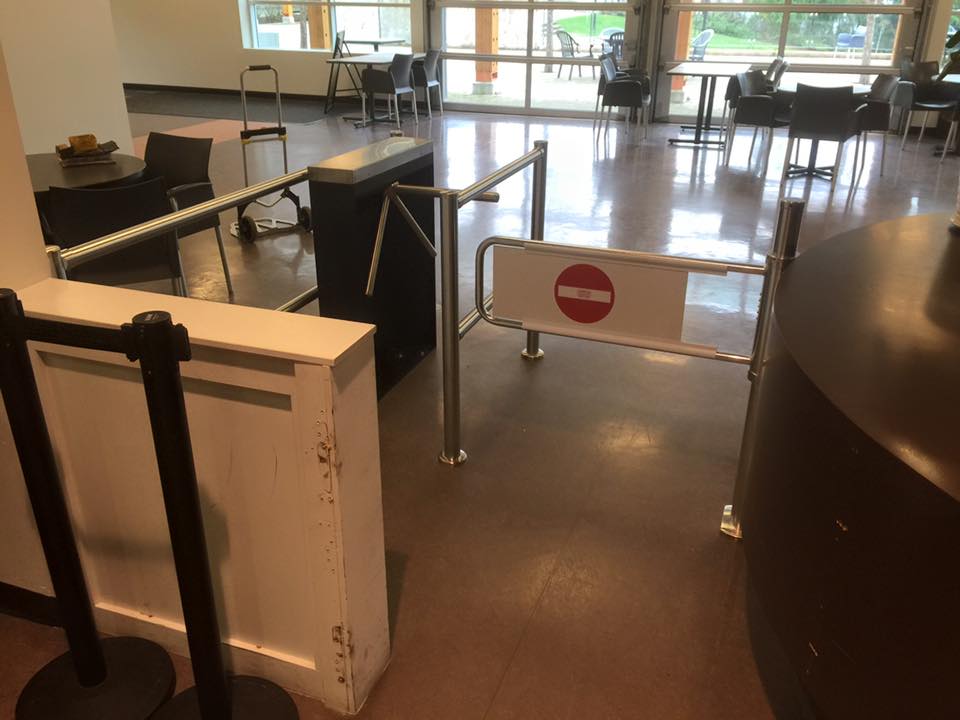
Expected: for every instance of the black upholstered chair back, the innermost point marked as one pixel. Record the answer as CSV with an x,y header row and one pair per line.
x,y
179,160
823,113
184,165
77,216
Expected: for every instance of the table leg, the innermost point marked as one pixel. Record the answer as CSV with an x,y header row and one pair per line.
x,y
709,116
811,169
702,128
698,135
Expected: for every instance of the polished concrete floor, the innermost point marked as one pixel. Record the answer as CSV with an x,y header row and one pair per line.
x,y
573,567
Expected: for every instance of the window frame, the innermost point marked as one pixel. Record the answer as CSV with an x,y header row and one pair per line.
x,y
251,40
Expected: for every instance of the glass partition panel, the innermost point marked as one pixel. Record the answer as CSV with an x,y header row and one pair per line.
x,y
842,38
479,82
487,31
727,36
554,88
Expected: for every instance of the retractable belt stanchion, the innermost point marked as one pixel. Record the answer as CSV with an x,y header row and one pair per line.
x,y
121,677
160,345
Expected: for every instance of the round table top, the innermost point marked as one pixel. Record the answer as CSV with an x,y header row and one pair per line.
x,y
46,171
872,317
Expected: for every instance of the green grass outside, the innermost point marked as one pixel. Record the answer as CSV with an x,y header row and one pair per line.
x,y
580,24
738,43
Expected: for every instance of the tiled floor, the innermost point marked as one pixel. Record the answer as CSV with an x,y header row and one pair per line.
x,y
573,567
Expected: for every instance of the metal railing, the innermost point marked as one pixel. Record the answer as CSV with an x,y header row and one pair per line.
x,y
453,327
65,259
783,251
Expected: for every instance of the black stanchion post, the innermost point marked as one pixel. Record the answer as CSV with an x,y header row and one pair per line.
x,y
160,345
119,677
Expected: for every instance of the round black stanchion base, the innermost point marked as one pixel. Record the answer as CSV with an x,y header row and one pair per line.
x,y
252,698
140,678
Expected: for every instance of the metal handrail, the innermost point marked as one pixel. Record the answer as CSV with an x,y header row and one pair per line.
x,y
472,192
300,301
65,259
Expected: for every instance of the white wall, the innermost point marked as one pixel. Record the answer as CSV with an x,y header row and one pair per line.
x,y
23,263
64,70
186,43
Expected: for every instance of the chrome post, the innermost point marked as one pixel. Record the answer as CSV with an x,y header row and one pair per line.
x,y
784,250
452,454
537,222
56,261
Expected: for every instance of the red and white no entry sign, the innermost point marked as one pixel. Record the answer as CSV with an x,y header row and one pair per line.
x,y
584,293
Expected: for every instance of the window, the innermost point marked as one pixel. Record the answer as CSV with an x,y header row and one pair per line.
x,y
529,54
366,24
853,38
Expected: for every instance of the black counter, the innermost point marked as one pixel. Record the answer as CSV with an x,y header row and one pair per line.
x,y
852,516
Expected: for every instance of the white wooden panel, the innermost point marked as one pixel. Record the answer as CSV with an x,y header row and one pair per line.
x,y
281,529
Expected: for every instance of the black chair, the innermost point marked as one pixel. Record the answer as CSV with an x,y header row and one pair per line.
x,y
827,114
392,82
570,48
183,163
425,76
77,216
757,109
616,46
911,96
875,116
622,90
774,73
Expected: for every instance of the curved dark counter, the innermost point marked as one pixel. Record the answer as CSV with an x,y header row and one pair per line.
x,y
852,516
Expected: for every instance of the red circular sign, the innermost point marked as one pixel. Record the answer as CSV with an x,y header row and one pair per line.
x,y
584,293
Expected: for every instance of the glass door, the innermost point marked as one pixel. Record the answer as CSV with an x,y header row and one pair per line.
x,y
538,57
849,42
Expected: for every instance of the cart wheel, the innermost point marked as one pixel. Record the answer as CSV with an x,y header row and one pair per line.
x,y
247,229
304,218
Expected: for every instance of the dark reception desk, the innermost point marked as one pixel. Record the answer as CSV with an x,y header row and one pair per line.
x,y
852,517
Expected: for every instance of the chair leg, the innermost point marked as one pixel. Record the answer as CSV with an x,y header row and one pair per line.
x,y
723,120
766,155
752,143
413,101
946,144
426,94
836,167
596,111
906,128
923,128
440,98
856,155
645,115
363,109
883,150
731,136
786,162
223,261
396,105
796,154
609,113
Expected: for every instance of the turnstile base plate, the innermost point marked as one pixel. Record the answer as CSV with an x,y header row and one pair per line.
x,y
253,698
140,678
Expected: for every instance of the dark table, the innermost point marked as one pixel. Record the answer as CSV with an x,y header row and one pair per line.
x,y
852,515
45,171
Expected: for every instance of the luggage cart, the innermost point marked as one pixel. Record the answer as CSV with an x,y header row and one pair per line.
x,y
246,228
